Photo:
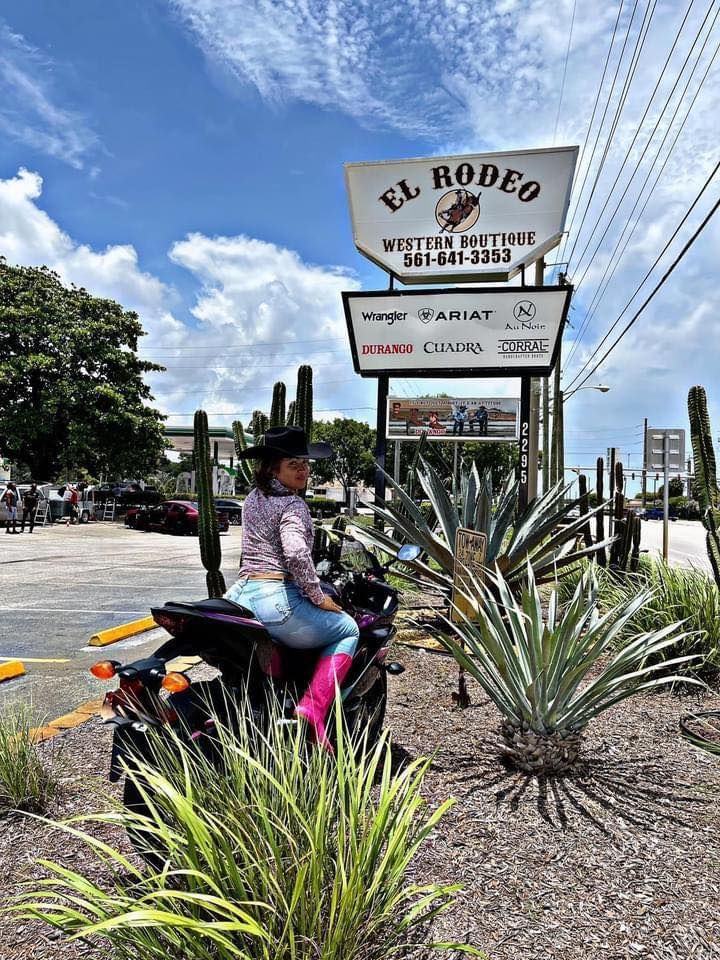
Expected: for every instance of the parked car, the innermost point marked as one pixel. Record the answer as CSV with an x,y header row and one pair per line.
x,y
656,513
232,507
127,492
171,516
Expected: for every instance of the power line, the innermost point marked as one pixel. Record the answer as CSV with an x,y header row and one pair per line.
x,y
618,109
562,85
589,128
640,285
649,140
657,287
613,259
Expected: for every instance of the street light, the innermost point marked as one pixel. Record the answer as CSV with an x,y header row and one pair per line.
x,y
558,439
602,387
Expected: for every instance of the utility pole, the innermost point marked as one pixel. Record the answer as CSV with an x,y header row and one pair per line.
x,y
666,494
396,472
535,408
645,460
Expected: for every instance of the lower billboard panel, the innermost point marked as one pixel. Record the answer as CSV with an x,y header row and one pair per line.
x,y
453,418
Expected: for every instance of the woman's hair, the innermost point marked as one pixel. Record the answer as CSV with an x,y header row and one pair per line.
x,y
265,471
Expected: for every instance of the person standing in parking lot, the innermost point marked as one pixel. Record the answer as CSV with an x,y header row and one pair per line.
x,y
30,500
10,499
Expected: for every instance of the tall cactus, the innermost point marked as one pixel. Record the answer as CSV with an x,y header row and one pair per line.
x,y
600,515
210,552
584,506
259,425
244,468
304,400
702,445
705,474
290,420
277,409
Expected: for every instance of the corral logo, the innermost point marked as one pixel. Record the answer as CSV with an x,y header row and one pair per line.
x,y
533,348
383,349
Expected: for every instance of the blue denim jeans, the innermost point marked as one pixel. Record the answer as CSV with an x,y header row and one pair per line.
x,y
290,618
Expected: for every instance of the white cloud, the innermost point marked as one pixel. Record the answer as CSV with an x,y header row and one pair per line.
x,y
29,111
260,311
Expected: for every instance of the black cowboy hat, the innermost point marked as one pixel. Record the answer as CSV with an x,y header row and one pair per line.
x,y
288,442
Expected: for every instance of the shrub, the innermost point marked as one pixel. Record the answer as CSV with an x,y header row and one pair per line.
x,y
285,856
25,782
324,506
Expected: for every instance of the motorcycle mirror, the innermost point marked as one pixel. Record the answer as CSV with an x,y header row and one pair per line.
x,y
409,551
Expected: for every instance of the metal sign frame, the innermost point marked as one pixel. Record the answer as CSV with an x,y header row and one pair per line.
x,y
537,370
385,212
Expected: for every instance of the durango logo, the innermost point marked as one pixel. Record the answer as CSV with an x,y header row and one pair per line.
x,y
371,349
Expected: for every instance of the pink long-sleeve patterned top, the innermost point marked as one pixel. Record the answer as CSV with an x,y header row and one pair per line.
x,y
278,538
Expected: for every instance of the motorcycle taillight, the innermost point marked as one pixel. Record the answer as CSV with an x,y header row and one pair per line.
x,y
171,622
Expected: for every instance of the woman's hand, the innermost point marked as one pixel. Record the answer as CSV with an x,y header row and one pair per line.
x,y
329,604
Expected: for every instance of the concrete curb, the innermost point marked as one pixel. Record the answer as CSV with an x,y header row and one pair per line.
x,y
103,637
68,721
11,669
91,708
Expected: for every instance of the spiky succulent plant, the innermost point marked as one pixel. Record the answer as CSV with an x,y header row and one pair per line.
x,y
550,673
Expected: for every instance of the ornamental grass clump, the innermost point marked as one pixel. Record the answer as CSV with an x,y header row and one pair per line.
x,y
283,855
25,782
536,666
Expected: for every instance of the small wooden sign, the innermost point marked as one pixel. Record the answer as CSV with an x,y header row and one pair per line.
x,y
470,552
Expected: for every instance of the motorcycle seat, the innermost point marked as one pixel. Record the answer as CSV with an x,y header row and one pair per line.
x,y
220,606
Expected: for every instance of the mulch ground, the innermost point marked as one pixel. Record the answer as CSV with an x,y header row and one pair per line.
x,y
621,860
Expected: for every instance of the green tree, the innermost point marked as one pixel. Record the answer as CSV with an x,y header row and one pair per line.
x,y
72,393
354,444
676,488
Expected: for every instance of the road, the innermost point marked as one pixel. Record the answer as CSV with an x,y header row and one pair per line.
x,y
61,585
686,542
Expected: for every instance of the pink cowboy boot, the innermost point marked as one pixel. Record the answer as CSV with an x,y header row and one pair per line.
x,y
318,697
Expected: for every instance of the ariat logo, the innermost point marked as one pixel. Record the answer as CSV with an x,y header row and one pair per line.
x,y
426,314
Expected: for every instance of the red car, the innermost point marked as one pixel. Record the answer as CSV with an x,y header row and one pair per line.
x,y
171,516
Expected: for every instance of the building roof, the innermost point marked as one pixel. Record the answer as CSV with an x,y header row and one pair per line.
x,y
182,438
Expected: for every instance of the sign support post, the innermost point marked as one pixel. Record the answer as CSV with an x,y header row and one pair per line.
x,y
524,473
666,494
381,447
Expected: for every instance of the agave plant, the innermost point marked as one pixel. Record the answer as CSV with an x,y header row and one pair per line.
x,y
513,539
536,668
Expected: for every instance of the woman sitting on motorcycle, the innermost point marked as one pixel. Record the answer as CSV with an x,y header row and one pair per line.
x,y
277,579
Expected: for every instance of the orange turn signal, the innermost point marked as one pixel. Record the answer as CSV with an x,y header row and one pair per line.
x,y
104,669
175,682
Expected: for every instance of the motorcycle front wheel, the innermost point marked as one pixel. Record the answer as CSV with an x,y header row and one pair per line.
x,y
366,715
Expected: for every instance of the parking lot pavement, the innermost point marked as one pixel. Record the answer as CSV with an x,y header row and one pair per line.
x,y
61,585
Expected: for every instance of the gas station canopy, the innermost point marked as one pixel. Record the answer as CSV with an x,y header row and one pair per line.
x,y
181,439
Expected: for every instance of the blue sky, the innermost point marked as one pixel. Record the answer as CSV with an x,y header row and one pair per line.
x,y
185,157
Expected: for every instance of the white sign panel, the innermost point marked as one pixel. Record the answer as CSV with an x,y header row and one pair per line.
x,y
453,418
482,331
447,219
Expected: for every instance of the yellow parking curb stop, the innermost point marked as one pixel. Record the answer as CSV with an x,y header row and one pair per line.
x,y
125,630
12,669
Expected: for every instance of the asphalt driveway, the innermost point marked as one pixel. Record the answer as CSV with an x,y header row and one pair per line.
x,y
61,585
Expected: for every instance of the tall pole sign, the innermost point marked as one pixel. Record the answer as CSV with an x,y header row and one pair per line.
x,y
474,218
447,219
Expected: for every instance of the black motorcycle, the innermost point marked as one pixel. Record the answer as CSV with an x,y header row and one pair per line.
x,y
253,671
